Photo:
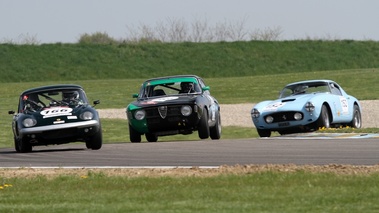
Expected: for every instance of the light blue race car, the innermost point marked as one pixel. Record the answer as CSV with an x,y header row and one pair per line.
x,y
307,106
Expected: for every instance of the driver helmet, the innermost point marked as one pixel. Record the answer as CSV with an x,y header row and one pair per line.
x,y
186,86
71,95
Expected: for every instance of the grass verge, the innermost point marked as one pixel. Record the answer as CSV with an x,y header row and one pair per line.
x,y
268,191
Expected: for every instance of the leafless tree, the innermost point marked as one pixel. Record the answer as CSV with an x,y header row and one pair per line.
x,y
23,39
178,30
199,31
267,34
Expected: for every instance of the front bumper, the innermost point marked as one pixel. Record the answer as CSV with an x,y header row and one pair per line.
x,y
60,133
308,119
41,129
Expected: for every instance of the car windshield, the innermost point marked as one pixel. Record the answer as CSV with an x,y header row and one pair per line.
x,y
164,88
37,101
304,88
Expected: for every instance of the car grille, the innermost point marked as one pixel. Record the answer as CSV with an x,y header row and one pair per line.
x,y
283,116
157,112
61,133
169,118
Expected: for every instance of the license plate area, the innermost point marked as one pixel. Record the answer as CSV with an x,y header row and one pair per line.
x,y
282,124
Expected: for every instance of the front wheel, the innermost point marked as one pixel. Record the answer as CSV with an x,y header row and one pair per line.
x,y
203,129
134,136
22,145
324,119
95,142
357,118
264,133
151,137
215,131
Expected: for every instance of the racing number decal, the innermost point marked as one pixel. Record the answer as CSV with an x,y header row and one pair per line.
x,y
58,111
273,106
164,99
344,105
154,101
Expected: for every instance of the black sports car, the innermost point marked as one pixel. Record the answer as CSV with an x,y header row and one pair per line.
x,y
173,105
55,114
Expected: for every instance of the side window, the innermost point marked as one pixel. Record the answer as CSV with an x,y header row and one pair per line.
x,y
335,89
285,93
159,91
201,82
21,105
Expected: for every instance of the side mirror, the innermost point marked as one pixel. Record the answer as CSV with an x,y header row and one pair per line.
x,y
11,112
135,96
96,102
206,88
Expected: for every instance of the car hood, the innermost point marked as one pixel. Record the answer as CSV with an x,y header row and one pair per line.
x,y
165,100
295,102
58,111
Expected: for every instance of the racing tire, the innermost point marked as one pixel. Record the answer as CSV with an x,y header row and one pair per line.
x,y
96,141
324,119
15,145
22,145
215,131
134,136
357,118
151,137
283,132
264,133
203,129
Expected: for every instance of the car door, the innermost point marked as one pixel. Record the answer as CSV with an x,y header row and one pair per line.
x,y
211,103
342,112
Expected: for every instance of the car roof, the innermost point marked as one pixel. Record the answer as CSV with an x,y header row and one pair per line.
x,y
172,79
52,87
311,81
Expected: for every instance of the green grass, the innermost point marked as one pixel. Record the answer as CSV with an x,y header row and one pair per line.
x,y
117,93
60,62
256,192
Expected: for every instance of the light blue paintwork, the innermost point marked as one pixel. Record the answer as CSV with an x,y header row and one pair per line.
x,y
340,105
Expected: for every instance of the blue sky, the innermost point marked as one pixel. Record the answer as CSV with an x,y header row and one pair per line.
x,y
51,21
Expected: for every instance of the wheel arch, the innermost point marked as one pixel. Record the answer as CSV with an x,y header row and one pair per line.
x,y
356,103
329,111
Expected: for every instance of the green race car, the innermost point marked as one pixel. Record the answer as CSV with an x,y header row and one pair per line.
x,y
173,105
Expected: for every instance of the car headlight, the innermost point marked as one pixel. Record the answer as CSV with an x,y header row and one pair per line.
x,y
309,107
139,114
298,116
87,115
269,119
29,122
186,110
255,113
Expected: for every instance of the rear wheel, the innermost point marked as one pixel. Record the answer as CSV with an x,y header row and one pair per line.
x,y
203,129
151,137
215,131
134,136
357,118
324,119
264,133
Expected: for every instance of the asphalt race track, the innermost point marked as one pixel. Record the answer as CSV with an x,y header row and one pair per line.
x,y
312,149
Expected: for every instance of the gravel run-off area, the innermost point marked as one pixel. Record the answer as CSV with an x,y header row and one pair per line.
x,y
239,114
